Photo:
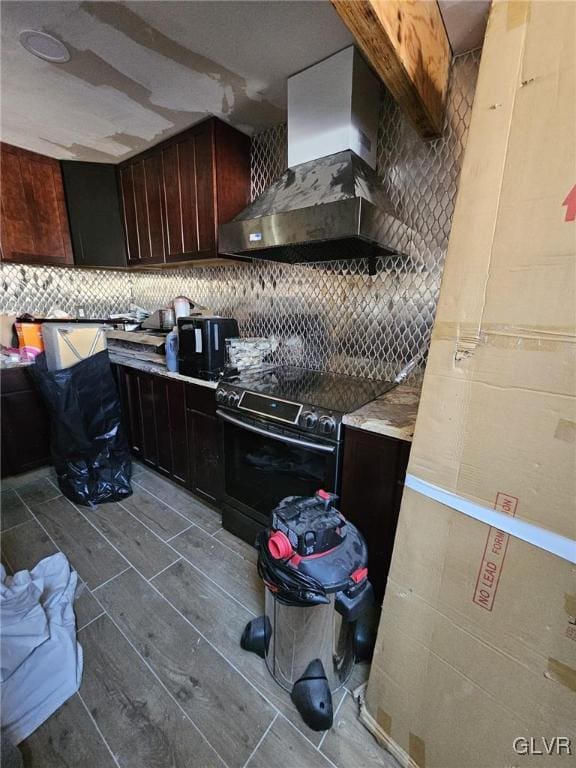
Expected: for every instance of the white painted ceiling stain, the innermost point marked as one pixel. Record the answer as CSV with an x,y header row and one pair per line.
x,y
142,71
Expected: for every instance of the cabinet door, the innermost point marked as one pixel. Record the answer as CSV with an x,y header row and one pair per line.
x,y
189,196
141,191
373,474
25,424
129,210
204,454
155,416
178,433
129,386
163,426
171,438
149,430
93,203
34,221
152,166
205,193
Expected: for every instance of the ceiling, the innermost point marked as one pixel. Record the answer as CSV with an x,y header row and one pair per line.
x,y
142,71
465,22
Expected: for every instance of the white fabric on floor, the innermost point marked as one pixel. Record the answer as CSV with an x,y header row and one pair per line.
x,y
40,659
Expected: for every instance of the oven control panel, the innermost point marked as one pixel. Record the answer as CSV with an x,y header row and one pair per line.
x,y
306,418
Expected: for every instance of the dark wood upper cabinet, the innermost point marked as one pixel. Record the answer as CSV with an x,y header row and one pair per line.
x,y
141,190
176,194
33,220
94,213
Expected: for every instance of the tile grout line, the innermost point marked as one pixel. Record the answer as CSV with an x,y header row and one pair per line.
x,y
231,664
194,522
165,568
148,528
12,527
183,557
162,684
91,590
166,541
31,476
9,564
214,648
81,512
215,536
238,671
260,740
319,747
351,690
217,650
114,547
102,613
110,579
228,661
220,653
97,727
38,521
50,498
325,757
231,596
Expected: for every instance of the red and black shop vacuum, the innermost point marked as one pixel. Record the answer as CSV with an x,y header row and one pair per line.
x,y
314,566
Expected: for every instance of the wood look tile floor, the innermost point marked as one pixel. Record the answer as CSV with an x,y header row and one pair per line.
x,y
164,594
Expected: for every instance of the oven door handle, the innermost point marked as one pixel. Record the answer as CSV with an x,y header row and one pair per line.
x,y
274,436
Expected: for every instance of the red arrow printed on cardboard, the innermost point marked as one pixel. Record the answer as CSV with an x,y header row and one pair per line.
x,y
570,203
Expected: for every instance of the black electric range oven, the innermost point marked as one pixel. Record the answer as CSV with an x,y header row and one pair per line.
x,y
281,435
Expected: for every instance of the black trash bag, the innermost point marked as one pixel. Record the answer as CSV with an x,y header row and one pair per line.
x,y
87,442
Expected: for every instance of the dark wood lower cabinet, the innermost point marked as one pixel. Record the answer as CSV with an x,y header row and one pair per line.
x,y
204,454
149,428
172,428
129,386
178,432
374,468
25,424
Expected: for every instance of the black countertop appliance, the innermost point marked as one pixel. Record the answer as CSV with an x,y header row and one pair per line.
x,y
202,345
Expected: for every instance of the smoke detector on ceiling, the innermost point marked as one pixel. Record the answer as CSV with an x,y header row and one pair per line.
x,y
44,46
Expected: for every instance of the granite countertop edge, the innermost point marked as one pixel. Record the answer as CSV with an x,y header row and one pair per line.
x,y
393,414
149,367
140,365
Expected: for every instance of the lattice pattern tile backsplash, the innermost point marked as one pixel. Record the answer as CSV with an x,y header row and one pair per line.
x,y
331,316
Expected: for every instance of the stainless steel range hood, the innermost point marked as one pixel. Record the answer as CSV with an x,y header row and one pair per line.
x,y
330,203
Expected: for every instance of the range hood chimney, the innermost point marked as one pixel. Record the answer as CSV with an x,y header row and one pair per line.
x,y
330,203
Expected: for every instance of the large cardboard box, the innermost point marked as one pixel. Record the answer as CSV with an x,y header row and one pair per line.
x,y
477,642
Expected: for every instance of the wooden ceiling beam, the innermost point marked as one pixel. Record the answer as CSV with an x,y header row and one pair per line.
x,y
406,43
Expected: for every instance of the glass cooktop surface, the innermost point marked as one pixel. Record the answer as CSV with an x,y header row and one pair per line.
x,y
331,391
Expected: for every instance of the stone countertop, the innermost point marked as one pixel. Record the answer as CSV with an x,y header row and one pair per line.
x,y
159,370
139,365
393,414
6,365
